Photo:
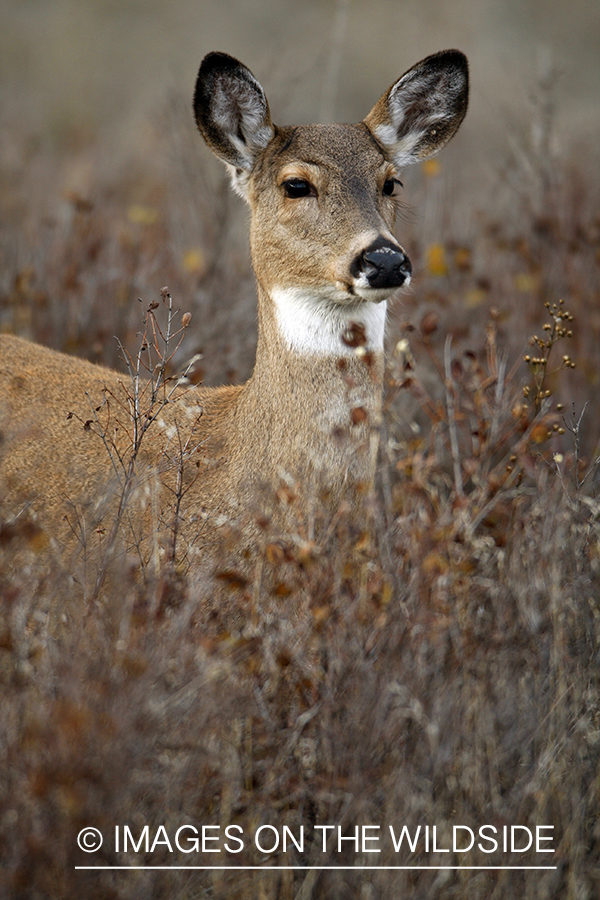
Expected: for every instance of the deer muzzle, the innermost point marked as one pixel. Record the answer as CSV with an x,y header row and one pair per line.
x,y
382,265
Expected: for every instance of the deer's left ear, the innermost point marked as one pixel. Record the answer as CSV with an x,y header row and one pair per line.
x,y
423,109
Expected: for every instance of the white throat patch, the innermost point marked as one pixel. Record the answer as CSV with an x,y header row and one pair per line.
x,y
311,324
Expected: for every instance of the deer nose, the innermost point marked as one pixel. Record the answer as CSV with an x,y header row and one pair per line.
x,y
384,264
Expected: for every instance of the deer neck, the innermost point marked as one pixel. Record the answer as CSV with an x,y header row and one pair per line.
x,y
319,348
314,401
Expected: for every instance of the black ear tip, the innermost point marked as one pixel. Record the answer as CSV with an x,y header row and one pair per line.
x,y
217,61
455,59
448,59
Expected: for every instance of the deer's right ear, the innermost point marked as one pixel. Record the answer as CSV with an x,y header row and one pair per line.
x,y
232,114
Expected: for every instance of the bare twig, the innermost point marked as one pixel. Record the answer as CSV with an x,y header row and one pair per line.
x,y
450,405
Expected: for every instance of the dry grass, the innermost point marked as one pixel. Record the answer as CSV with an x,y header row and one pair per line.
x,y
437,666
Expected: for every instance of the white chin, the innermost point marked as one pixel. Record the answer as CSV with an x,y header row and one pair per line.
x,y
313,322
376,295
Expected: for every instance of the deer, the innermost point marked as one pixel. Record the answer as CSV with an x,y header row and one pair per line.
x,y
323,203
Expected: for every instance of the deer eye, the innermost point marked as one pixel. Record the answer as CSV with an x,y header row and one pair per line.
x,y
298,187
389,186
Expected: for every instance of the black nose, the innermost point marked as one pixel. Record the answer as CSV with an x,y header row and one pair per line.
x,y
384,264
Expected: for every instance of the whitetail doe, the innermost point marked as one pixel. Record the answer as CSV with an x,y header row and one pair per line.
x,y
323,206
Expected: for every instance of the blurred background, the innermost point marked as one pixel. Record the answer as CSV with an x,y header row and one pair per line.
x,y
108,193
75,70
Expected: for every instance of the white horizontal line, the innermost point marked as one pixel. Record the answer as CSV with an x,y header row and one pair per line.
x,y
234,868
